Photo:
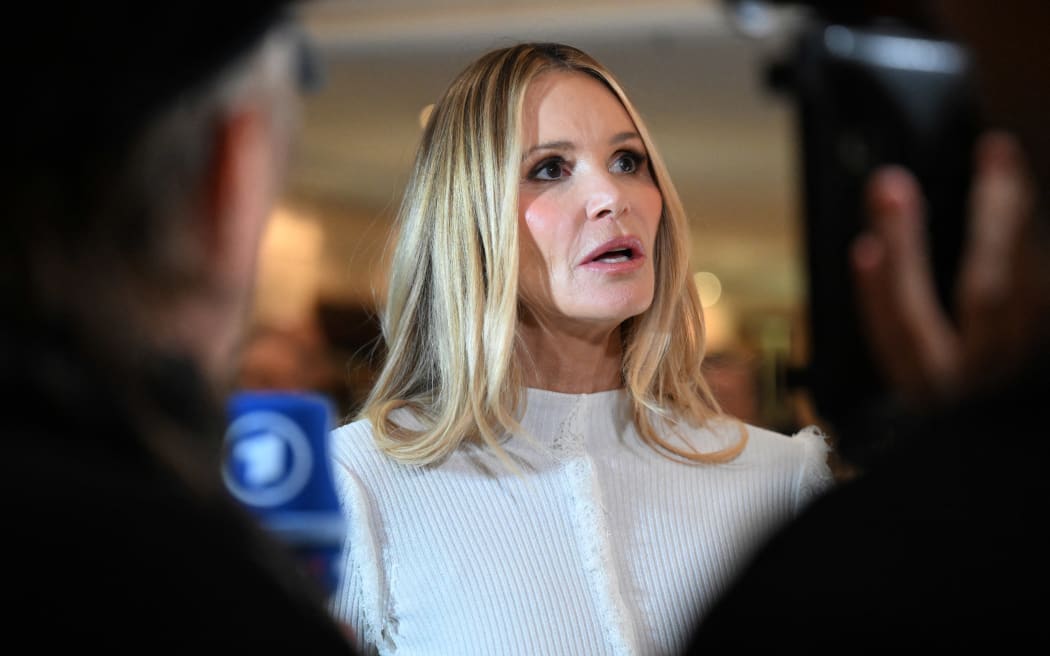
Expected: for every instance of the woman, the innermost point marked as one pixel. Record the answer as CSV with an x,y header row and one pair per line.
x,y
540,467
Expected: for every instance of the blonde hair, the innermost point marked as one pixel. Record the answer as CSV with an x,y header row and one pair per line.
x,y
451,314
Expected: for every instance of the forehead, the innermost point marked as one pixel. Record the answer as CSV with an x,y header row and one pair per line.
x,y
559,101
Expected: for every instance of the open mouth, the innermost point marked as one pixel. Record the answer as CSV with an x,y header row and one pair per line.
x,y
616,251
616,255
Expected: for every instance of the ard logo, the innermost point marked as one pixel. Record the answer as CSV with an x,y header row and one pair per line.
x,y
267,459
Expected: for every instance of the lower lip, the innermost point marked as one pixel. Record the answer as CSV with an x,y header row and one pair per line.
x,y
626,266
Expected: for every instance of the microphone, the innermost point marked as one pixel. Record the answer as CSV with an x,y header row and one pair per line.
x,y
275,462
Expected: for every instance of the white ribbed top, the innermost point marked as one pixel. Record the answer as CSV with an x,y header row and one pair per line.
x,y
603,547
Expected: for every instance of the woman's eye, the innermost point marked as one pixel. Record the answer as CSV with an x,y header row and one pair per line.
x,y
628,162
551,169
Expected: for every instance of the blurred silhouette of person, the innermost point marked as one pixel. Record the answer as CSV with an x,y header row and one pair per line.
x,y
275,359
939,542
732,375
284,358
292,358
147,145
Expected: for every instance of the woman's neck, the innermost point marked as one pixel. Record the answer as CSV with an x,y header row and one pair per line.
x,y
573,362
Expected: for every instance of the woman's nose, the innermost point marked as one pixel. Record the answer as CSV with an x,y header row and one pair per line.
x,y
605,197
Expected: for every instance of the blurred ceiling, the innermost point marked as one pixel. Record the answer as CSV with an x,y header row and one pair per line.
x,y
695,77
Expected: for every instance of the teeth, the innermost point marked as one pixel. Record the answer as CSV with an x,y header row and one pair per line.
x,y
615,256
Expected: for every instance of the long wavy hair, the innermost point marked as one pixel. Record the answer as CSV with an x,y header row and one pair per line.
x,y
451,314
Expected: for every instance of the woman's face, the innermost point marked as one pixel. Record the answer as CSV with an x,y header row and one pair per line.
x,y
588,208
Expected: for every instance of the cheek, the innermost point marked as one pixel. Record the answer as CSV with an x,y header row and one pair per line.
x,y
540,222
649,205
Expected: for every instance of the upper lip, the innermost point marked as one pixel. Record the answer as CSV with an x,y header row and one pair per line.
x,y
626,242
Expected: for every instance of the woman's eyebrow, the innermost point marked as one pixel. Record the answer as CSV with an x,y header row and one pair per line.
x,y
550,145
624,136
568,145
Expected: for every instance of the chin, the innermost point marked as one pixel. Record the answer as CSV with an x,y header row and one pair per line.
x,y
616,311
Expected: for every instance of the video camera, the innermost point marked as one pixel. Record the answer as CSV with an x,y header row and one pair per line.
x,y
869,90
